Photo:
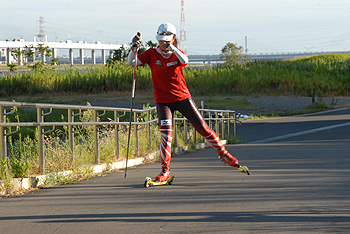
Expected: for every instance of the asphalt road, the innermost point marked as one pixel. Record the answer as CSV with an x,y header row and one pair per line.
x,y
299,183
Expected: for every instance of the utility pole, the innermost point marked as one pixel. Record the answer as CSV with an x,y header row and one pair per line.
x,y
183,45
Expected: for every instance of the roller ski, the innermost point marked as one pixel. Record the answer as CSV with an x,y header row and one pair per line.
x,y
162,179
150,183
243,169
233,162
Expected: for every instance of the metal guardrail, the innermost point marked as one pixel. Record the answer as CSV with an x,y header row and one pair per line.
x,y
216,119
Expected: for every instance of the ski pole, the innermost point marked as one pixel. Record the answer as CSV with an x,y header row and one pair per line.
x,y
132,105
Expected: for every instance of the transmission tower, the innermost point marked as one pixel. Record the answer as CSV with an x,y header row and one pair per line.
x,y
41,35
183,45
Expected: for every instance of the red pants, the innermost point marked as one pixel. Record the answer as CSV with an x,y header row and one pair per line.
x,y
189,109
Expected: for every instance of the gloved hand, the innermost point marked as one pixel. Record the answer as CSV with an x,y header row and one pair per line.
x,y
179,54
136,41
170,47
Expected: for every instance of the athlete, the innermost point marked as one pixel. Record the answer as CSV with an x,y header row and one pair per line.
x,y
171,93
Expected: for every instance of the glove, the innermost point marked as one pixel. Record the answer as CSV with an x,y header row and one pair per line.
x,y
136,42
170,47
181,56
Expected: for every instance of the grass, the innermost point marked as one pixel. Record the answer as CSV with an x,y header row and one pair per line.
x,y
222,102
221,87
58,157
329,74
60,67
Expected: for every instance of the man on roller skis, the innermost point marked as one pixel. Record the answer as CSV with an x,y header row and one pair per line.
x,y
171,93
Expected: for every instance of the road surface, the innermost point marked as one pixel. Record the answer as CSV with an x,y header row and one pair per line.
x,y
299,183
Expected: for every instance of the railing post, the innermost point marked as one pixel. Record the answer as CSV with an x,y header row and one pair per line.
x,y
209,124
71,133
116,134
149,130
185,131
3,146
228,124
235,126
175,129
97,153
40,119
216,124
136,134
223,126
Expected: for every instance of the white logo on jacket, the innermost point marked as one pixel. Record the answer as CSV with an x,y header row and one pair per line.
x,y
165,122
171,64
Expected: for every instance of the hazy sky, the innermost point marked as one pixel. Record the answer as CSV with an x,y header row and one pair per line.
x,y
270,25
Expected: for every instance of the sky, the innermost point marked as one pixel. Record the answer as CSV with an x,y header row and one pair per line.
x,y
271,26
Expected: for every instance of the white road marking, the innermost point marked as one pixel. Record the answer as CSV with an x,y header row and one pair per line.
x,y
299,133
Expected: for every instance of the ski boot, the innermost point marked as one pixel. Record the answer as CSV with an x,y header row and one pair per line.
x,y
233,162
163,176
243,169
162,179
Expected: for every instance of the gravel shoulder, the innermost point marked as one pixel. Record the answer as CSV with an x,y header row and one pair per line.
x,y
281,104
258,105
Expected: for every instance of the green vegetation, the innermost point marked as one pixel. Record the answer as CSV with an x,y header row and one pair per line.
x,y
233,54
30,52
24,160
329,74
316,76
116,77
5,175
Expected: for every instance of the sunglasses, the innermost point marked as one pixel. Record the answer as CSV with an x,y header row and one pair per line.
x,y
165,33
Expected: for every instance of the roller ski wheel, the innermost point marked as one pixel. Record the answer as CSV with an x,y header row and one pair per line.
x,y
243,169
150,183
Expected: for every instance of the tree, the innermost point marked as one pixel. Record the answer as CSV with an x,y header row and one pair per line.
x,y
18,53
54,61
12,67
30,52
43,51
151,44
233,54
120,54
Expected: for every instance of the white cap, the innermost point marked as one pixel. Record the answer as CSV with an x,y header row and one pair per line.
x,y
166,32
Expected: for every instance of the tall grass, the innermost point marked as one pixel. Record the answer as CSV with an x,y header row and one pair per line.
x,y
328,73
116,77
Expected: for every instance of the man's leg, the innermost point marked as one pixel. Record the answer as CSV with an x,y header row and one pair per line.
x,y
189,109
166,130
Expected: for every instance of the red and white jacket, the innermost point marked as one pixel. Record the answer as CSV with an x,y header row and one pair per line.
x,y
167,76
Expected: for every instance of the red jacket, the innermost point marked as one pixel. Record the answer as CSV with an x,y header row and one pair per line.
x,y
168,79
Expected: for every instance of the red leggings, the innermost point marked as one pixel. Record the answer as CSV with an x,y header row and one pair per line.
x,y
189,109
